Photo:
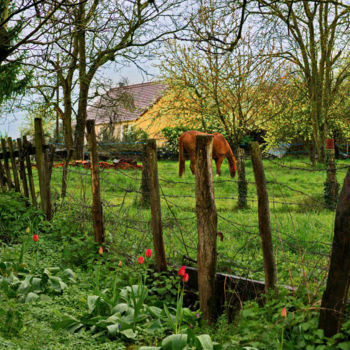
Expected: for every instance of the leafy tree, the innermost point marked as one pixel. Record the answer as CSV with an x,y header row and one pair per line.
x,y
20,24
311,35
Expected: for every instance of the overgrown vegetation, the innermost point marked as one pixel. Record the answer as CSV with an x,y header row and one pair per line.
x,y
59,292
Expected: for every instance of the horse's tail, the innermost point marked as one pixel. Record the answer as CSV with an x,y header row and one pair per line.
x,y
232,163
181,157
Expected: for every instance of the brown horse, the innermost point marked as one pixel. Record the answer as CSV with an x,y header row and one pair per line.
x,y
221,149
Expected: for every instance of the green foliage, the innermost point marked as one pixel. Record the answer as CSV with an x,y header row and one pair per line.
x,y
12,80
186,341
17,282
134,134
172,135
16,214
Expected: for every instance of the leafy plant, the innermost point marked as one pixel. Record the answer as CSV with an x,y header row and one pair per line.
x,y
28,287
16,214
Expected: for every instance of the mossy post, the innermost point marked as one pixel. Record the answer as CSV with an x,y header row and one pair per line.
x,y
97,213
13,164
26,151
144,189
22,169
2,177
331,186
42,167
5,155
335,295
264,217
154,196
242,181
206,226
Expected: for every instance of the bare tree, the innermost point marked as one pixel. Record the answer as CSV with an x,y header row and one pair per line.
x,y
112,31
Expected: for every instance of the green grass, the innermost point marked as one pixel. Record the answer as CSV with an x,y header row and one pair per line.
x,y
302,228
302,237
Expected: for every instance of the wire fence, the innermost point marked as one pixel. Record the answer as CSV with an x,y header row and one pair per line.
x,y
301,227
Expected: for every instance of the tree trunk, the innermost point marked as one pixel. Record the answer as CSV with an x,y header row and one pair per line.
x,y
336,293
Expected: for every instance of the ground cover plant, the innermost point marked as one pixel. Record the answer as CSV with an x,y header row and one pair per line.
x,y
60,291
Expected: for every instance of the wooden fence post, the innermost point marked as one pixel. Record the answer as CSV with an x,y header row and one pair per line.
x,y
154,193
65,173
331,186
145,192
2,177
97,213
13,164
206,226
26,149
22,170
6,164
264,217
41,163
242,182
336,292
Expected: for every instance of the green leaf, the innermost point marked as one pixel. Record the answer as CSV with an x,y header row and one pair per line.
x,y
344,346
170,318
92,300
205,341
121,308
129,333
174,342
113,329
31,297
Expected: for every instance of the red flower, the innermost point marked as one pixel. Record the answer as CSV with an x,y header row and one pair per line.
x,y
284,312
148,253
35,237
182,271
140,260
100,251
185,277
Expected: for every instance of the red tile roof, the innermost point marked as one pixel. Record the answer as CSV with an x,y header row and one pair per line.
x,y
142,97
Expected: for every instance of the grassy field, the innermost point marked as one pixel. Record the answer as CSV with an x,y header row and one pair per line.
x,y
302,235
302,227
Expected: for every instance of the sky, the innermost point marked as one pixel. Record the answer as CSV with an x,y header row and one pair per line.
x,y
10,125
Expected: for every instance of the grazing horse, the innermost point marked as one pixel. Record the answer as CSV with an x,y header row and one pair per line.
x,y
221,149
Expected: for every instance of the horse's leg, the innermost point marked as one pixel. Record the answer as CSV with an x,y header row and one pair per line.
x,y
218,162
193,163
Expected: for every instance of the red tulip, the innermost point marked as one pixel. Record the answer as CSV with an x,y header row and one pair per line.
x,y
185,277
284,312
182,271
148,253
35,237
140,260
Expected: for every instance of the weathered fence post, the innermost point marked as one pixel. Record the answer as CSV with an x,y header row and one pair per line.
x,y
264,217
6,164
331,186
144,189
13,164
97,212
42,169
336,292
65,173
154,193
2,177
22,170
26,150
50,161
206,226
242,182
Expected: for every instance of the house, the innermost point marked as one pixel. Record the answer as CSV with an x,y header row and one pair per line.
x,y
129,105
